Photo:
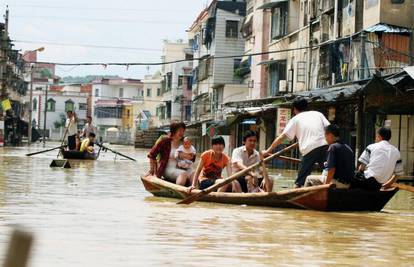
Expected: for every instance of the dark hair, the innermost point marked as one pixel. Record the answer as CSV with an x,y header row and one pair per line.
x,y
248,134
175,126
332,129
92,135
218,140
301,104
385,133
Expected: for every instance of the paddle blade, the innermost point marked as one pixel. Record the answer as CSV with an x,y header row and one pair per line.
x,y
404,187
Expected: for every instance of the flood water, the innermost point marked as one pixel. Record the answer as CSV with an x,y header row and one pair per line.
x,y
98,214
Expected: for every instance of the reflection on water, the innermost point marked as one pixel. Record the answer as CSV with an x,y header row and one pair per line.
x,y
98,214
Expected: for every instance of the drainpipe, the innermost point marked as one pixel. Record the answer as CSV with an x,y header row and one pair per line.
x,y
309,63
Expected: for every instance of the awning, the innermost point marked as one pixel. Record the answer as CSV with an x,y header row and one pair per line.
x,y
201,96
268,62
387,28
272,4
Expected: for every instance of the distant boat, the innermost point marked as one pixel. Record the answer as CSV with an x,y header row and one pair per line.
x,y
322,197
74,154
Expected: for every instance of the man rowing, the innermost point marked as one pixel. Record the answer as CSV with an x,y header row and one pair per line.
x,y
309,128
244,157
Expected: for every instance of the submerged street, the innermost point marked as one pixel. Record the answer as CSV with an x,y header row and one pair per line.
x,y
98,214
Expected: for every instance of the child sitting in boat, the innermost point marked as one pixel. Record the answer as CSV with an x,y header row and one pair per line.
x,y
87,145
210,167
185,155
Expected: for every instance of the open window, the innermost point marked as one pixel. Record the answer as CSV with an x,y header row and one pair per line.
x,y
279,20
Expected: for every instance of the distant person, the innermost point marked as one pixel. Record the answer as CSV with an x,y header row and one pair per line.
x,y
163,163
88,128
244,157
309,128
78,142
210,168
340,162
87,146
185,155
381,164
71,127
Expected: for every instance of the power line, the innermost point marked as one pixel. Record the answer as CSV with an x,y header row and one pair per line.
x,y
88,45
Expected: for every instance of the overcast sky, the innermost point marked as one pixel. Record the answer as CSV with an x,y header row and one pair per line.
x,y
137,24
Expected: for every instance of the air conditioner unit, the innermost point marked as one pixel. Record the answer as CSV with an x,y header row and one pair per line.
x,y
283,86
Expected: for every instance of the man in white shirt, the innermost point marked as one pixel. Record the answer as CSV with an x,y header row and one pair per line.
x,y
88,128
380,163
309,128
244,157
72,129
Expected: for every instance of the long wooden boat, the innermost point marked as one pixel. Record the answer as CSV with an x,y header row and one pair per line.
x,y
74,154
322,197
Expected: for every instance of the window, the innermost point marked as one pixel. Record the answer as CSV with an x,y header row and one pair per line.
x,y
232,28
121,92
187,113
301,71
51,105
180,80
168,81
69,105
34,103
83,106
189,82
397,1
96,92
158,91
38,89
277,73
236,63
142,93
148,92
279,21
109,112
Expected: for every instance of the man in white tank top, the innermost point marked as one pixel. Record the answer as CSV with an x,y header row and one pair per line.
x,y
309,128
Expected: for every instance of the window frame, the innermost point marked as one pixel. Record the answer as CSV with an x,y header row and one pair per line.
x,y
121,92
52,107
232,31
69,101
282,21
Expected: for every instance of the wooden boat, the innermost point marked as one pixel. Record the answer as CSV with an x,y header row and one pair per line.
x,y
322,197
74,154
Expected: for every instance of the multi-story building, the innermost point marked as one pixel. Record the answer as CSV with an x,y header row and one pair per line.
x,y
148,112
217,76
113,103
176,89
327,51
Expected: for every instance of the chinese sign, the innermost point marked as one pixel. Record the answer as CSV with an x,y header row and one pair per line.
x,y
283,116
6,104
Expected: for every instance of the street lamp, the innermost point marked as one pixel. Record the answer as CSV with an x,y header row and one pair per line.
x,y
29,137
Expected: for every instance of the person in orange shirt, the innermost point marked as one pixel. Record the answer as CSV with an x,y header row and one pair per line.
x,y
210,167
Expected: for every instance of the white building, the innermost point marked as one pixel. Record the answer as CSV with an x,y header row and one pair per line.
x,y
113,102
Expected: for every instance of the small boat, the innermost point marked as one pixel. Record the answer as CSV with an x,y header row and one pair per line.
x,y
321,197
75,154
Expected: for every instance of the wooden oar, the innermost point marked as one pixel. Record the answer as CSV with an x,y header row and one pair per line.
x,y
44,151
233,177
267,184
115,152
404,187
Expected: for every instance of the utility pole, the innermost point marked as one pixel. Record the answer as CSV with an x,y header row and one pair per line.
x,y
44,119
29,133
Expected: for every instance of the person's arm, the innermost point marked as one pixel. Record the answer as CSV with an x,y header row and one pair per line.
x,y
152,155
361,167
275,143
183,155
228,170
390,181
197,174
330,176
398,171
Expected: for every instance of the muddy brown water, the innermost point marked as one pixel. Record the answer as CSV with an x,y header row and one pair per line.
x,y
98,214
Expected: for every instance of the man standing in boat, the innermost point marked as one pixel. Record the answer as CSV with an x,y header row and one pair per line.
x,y
88,128
72,129
340,162
309,128
381,164
244,157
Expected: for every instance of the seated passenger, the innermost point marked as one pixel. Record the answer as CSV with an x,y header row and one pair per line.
x,y
78,142
163,163
380,164
340,163
210,167
244,157
87,146
185,155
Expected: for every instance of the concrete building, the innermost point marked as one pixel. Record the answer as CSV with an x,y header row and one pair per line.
x,y
148,112
215,35
176,89
113,102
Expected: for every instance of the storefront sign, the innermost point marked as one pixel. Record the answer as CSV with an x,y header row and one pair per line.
x,y
283,116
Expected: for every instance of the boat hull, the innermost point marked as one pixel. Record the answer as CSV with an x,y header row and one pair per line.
x,y
322,198
70,154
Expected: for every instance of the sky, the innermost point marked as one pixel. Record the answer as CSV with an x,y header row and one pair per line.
x,y
77,31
